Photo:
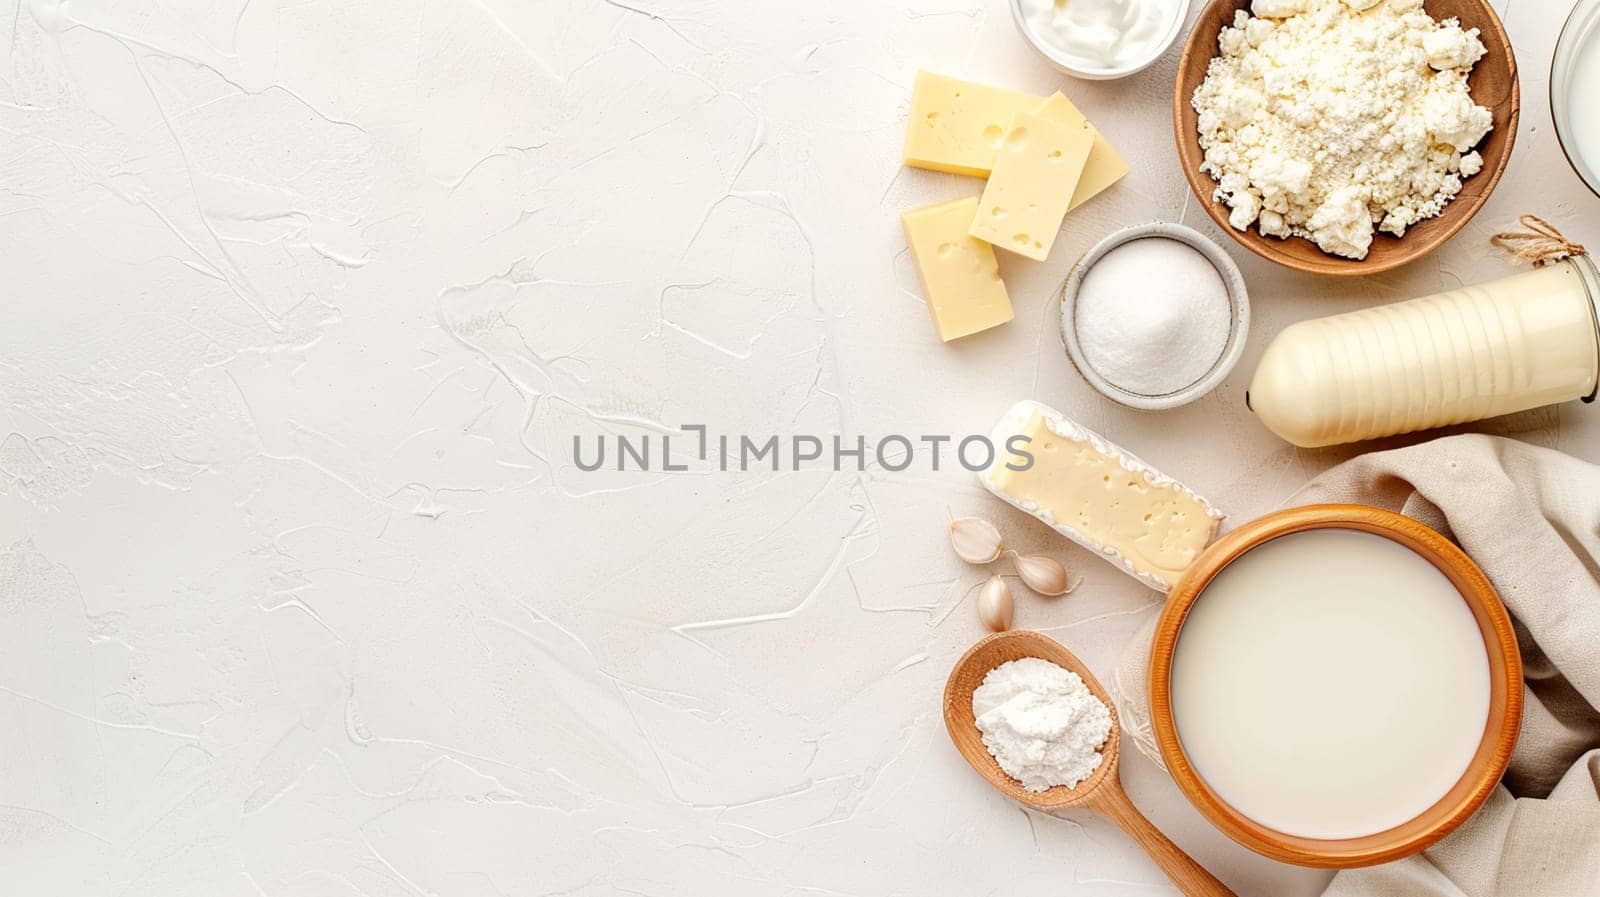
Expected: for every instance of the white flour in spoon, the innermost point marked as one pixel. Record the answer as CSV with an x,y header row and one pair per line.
x,y
1041,723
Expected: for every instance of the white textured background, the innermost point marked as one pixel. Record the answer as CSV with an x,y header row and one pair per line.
x,y
300,305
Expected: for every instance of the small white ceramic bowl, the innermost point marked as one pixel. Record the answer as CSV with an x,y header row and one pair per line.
x,y
1076,69
1238,299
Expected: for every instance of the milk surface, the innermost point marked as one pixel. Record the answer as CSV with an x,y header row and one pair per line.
x,y
1330,684
1582,89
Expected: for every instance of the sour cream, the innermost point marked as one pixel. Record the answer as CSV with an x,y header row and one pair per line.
x,y
1102,36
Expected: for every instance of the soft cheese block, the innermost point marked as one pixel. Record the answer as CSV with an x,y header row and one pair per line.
x,y
1035,174
960,277
1100,496
1105,165
957,126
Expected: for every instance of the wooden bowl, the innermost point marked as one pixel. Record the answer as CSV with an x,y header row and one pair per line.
x,y
1493,83
1488,763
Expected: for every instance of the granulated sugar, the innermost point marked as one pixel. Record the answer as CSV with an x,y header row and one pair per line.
x,y
1152,316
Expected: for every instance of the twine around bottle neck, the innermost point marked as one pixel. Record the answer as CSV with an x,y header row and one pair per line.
x,y
1541,243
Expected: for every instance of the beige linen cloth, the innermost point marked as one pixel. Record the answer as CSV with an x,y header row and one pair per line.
x,y
1530,517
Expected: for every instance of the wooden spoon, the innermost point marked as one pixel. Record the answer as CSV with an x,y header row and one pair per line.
x,y
1101,791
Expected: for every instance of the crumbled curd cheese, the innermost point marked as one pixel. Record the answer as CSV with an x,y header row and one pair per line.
x,y
1452,48
1331,119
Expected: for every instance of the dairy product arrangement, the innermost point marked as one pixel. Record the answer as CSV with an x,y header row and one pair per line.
x,y
467,448
1299,662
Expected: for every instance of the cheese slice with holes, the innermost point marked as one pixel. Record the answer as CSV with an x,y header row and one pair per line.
x,y
1035,175
960,277
1142,521
956,125
1105,166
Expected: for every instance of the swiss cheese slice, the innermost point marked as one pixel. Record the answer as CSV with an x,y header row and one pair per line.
x,y
956,125
960,277
1105,165
1035,175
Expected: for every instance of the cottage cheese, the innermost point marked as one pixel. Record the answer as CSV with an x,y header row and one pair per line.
x,y
1332,119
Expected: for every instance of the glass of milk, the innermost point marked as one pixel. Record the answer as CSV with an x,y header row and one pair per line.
x,y
1574,86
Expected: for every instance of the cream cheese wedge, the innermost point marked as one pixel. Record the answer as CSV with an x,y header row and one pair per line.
x,y
1142,521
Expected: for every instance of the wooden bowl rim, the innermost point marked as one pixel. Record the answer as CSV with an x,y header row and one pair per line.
x,y
963,728
1501,728
1198,51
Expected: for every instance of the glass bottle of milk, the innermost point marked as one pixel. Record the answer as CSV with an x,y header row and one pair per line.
x,y
1509,345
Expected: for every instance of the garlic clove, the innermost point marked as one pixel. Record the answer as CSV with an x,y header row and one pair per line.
x,y
994,604
976,540
1044,575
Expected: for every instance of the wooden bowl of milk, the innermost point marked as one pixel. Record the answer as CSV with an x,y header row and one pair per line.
x,y
1335,685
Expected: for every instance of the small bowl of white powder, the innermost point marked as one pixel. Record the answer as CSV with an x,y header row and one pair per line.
x,y
1155,316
